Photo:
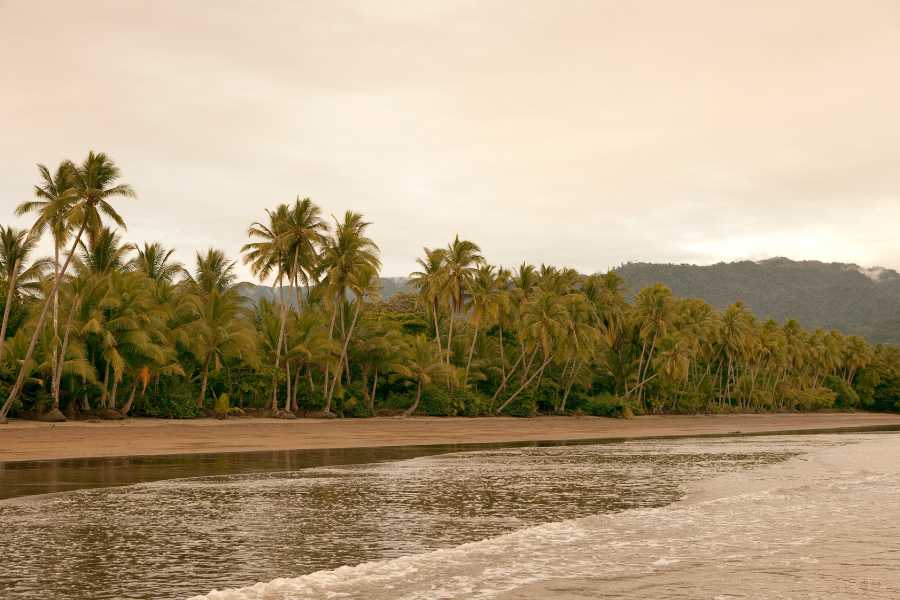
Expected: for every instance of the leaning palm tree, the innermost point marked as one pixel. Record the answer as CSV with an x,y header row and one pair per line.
x,y
54,198
16,246
94,185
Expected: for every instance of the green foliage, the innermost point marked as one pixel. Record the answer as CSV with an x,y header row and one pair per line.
x,y
846,396
606,406
222,406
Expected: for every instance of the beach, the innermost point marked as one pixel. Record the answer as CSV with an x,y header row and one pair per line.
x,y
31,440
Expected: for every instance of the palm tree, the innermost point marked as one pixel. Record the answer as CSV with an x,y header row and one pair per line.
x,y
300,234
349,260
267,255
54,198
484,306
16,246
154,261
430,283
94,185
103,253
221,326
654,312
462,260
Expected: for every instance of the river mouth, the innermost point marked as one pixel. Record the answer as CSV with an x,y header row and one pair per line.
x,y
229,521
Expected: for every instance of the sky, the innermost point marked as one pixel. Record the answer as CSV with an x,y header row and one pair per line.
x,y
584,134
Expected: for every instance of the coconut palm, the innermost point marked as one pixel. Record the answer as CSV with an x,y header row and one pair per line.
x,y
221,326
155,262
94,185
430,283
349,260
461,262
300,234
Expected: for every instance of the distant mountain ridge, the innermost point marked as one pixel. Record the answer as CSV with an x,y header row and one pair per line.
x,y
389,286
843,296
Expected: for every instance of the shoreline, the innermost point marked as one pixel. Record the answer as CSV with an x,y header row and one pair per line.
x,y
36,441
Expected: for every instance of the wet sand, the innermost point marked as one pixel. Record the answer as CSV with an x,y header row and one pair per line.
x,y
30,440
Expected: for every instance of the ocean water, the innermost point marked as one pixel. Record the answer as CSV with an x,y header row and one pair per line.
x,y
814,516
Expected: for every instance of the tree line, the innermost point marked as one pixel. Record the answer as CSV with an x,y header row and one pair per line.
x,y
104,328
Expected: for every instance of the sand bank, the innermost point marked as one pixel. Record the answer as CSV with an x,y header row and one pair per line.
x,y
29,440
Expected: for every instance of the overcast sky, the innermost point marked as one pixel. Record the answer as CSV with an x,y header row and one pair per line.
x,y
584,134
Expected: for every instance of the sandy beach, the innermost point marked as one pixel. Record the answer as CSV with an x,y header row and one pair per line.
x,y
29,440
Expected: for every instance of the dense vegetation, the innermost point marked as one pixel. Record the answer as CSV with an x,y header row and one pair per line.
x,y
107,328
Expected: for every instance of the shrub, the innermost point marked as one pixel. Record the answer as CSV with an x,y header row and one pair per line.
x,y
607,405
222,406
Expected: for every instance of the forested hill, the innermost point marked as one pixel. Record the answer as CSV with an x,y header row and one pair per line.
x,y
827,295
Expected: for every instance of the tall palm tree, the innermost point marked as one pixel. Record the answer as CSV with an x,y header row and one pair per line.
x,y
462,260
94,185
221,326
300,234
430,282
484,306
349,259
267,255
54,197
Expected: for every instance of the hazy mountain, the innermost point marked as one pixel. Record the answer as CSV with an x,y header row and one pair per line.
x,y
389,286
838,296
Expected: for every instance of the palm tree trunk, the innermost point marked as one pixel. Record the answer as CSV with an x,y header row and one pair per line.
x,y
372,395
471,352
23,372
437,330
502,357
415,405
115,388
105,395
296,389
337,374
506,378
202,399
128,404
327,366
524,385
450,337
283,319
287,395
55,358
7,307
65,346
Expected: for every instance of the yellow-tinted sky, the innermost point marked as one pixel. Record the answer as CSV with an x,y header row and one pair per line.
x,y
576,133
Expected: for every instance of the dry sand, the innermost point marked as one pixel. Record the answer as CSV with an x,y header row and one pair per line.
x,y
29,440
